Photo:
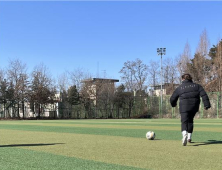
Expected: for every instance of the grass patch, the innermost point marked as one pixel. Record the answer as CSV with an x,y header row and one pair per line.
x,y
18,158
108,144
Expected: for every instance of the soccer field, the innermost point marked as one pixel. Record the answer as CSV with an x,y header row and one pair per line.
x,y
108,144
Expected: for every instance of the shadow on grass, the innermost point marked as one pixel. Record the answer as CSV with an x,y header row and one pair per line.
x,y
210,142
36,144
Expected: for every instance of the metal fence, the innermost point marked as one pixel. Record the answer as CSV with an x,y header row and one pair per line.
x,y
144,107
166,111
137,107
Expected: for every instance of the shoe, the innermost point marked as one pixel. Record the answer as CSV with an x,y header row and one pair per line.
x,y
184,140
189,140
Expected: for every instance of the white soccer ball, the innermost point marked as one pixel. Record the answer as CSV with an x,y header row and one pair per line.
x,y
150,135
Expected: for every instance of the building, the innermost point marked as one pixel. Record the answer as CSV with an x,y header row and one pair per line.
x,y
167,88
28,110
96,86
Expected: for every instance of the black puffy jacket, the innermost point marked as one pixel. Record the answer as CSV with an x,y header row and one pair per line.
x,y
189,94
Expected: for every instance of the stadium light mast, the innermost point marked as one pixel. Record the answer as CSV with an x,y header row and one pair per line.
x,y
161,52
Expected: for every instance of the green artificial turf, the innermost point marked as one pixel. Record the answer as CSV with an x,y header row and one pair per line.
x,y
108,144
12,158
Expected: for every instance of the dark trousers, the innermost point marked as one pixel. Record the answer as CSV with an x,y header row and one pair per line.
x,y
187,121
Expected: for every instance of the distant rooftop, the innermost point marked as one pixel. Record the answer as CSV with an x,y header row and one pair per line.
x,y
100,79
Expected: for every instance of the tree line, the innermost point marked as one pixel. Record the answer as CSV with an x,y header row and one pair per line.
x,y
39,88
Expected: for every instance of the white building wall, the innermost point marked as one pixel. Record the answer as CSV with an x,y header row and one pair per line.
x,y
158,92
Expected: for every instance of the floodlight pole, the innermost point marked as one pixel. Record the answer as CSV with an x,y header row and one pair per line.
x,y
161,52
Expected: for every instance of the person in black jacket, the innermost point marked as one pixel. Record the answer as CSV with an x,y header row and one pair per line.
x,y
189,94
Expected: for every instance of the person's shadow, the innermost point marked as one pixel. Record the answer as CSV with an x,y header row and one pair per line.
x,y
34,144
209,142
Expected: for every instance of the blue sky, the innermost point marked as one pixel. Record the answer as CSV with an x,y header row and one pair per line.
x,y
98,36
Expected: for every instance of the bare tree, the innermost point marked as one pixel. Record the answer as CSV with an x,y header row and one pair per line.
x,y
170,74
77,76
23,90
88,97
153,71
105,96
98,93
43,88
173,74
219,60
140,74
1,74
215,74
3,94
18,77
134,75
166,69
127,76
204,43
184,59
200,63
63,82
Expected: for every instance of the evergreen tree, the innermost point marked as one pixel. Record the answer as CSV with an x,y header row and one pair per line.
x,y
73,95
